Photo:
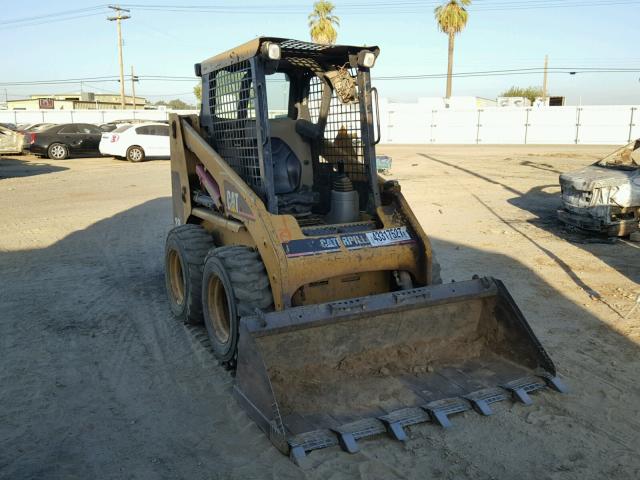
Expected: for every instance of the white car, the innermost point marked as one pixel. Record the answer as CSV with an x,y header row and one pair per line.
x,y
137,142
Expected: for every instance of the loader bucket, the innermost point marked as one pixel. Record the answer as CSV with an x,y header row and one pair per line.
x,y
330,374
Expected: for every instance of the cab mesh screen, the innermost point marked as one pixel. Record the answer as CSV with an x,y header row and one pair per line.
x,y
232,106
342,142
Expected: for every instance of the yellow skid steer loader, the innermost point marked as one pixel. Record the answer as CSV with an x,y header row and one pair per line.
x,y
314,279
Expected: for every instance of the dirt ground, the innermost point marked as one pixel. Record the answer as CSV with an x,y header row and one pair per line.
x,y
97,380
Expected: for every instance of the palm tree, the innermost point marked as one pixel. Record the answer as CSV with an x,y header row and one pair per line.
x,y
452,18
322,21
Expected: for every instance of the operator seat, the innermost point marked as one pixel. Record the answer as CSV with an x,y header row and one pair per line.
x,y
287,168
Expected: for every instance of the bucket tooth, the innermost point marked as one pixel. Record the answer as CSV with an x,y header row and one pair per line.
x,y
312,440
298,455
347,442
397,420
481,399
396,431
555,383
521,387
441,409
349,433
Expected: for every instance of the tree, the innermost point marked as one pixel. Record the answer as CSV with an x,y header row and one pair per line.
x,y
451,18
197,91
322,23
529,92
177,104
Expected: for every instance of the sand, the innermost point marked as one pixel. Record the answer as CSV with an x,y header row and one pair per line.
x,y
97,380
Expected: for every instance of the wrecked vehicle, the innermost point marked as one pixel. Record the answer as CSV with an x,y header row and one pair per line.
x,y
10,141
604,197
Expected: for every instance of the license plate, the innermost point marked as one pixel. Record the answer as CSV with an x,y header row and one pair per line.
x,y
388,236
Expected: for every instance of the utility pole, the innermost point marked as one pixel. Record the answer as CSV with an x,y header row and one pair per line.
x,y
134,79
546,74
118,19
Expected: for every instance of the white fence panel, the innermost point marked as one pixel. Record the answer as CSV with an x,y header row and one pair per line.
x,y
552,125
26,116
86,116
112,115
634,128
455,126
502,125
604,125
422,123
58,116
406,123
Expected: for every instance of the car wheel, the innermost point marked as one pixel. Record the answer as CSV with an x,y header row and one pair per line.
x,y
135,154
57,151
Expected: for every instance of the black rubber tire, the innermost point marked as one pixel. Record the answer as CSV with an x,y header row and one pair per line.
x,y
188,245
55,156
239,269
131,154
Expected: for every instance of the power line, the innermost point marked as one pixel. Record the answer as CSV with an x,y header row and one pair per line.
x,y
349,8
50,16
42,22
477,73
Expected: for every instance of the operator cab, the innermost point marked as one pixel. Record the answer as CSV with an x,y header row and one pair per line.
x,y
295,121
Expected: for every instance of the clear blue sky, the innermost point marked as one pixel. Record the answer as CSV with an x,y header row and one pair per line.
x,y
500,35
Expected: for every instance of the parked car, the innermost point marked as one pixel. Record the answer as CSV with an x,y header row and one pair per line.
x,y
108,127
111,126
28,128
32,127
137,142
10,141
66,140
10,126
604,197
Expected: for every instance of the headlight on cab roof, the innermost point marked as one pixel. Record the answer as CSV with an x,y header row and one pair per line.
x,y
367,59
271,50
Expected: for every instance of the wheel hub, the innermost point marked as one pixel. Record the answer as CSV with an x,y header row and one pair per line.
x,y
57,151
219,309
176,277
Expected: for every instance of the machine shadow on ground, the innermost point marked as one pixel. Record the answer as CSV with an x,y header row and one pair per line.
x,y
543,202
99,381
18,166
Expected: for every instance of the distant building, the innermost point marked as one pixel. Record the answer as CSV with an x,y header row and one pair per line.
x,y
76,101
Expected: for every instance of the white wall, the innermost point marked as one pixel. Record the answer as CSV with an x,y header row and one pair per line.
x,y
420,123
425,122
84,116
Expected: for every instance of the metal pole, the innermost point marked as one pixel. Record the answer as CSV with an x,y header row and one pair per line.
x,y
122,103
118,20
631,125
133,87
544,82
